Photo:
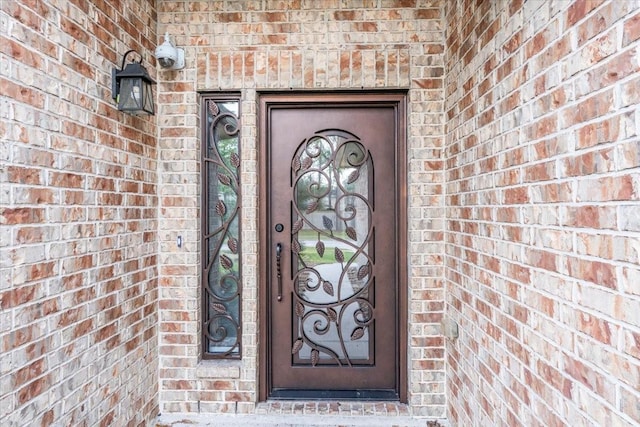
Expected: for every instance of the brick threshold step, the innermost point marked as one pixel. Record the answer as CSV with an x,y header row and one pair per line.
x,y
332,407
308,413
294,420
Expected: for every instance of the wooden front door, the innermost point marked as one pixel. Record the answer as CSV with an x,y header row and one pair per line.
x,y
333,231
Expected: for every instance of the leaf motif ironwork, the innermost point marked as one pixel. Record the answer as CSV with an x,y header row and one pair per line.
x,y
351,232
221,208
219,308
214,110
297,164
297,226
226,262
328,287
232,244
221,279
224,179
326,221
297,345
327,171
306,163
363,271
353,177
315,357
312,206
357,333
235,160
299,309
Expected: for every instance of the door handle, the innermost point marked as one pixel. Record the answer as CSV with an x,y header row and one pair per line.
x,y
279,270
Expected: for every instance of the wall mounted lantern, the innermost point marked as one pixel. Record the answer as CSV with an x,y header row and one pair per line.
x,y
131,87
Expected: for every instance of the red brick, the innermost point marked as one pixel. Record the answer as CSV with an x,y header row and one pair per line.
x,y
603,18
553,377
536,45
590,163
33,389
428,83
629,403
589,109
542,259
427,14
47,418
596,272
24,16
620,66
579,9
594,327
29,372
21,93
346,15
618,188
513,43
631,91
74,30
631,30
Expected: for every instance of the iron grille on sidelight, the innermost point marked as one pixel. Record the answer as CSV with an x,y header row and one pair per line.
x,y
221,272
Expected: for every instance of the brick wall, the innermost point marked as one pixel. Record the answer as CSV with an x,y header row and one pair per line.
x,y
329,44
78,220
539,253
543,212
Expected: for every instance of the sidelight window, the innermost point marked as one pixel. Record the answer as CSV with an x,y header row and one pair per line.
x,y
221,269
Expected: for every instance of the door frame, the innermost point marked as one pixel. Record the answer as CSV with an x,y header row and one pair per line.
x,y
269,99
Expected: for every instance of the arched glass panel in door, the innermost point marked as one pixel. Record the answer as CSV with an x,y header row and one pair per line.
x,y
331,237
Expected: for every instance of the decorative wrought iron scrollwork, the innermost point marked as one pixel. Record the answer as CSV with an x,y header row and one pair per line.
x,y
221,230
331,236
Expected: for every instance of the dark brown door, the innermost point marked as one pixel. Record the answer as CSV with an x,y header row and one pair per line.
x,y
331,241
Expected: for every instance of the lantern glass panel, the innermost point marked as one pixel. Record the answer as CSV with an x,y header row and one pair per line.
x,y
147,98
136,96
